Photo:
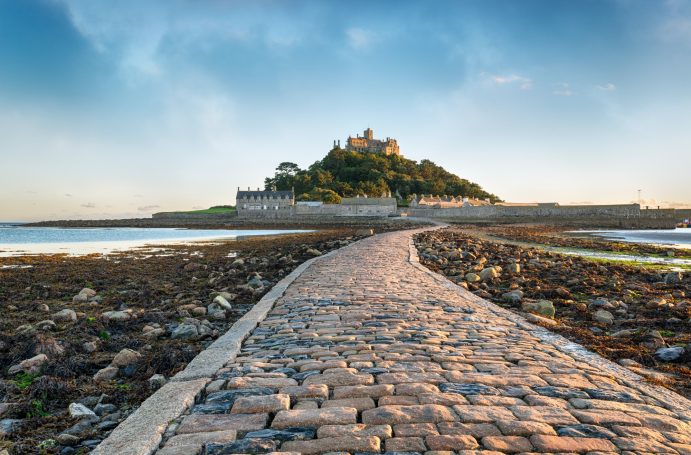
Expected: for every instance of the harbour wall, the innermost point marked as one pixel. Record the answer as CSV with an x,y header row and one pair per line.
x,y
626,216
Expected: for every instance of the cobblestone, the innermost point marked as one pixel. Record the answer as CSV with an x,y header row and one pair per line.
x,y
368,352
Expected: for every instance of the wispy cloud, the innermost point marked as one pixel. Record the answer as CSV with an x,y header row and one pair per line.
x,y
68,195
608,87
148,208
359,38
89,205
524,83
563,89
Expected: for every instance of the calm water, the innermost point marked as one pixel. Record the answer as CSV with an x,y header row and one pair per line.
x,y
15,239
680,237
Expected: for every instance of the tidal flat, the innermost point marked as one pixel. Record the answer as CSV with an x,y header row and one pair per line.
x,y
98,334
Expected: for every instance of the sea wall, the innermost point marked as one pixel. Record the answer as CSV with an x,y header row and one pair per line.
x,y
608,216
193,216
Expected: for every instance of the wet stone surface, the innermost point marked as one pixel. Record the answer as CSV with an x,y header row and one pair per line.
x,y
368,353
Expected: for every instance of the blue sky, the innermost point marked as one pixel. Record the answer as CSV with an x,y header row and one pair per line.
x,y
118,109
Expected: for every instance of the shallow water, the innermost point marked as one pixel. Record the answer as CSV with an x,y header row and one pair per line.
x,y
17,240
675,238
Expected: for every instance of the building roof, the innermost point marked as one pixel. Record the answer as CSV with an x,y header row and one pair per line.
x,y
368,201
260,194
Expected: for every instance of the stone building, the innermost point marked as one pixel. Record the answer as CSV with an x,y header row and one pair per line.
x,y
443,202
367,143
274,204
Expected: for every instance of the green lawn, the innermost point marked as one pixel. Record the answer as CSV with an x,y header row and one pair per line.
x,y
218,210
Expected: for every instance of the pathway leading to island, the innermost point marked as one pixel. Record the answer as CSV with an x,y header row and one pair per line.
x,y
368,352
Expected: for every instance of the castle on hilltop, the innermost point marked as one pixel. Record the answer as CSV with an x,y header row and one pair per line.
x,y
367,143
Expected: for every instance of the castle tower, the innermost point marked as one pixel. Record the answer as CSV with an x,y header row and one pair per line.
x,y
369,134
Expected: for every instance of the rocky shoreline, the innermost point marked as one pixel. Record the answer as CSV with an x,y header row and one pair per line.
x,y
637,316
568,238
84,340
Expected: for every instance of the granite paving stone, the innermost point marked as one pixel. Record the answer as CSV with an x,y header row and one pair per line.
x,y
367,352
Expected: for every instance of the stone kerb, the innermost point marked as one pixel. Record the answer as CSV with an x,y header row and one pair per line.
x,y
670,399
141,432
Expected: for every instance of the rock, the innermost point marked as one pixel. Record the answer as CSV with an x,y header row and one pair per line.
x,y
512,296
67,439
9,426
25,329
80,298
30,366
116,316
364,232
65,315
541,307
313,252
125,357
154,333
656,302
106,374
603,317
514,268
102,409
489,273
44,308
674,278
80,411
46,325
219,304
157,381
185,332
88,292
624,333
90,346
238,263
199,311
669,354
189,267
472,277
653,340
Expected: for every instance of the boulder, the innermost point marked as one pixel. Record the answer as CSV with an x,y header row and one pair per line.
x,y
674,278
116,316
603,317
512,296
472,277
222,302
656,302
106,374
30,366
125,357
489,273
313,252
65,315
541,307
185,332
514,268
669,354
364,232
80,411
157,381
46,325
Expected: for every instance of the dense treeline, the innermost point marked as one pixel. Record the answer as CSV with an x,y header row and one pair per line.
x,y
347,174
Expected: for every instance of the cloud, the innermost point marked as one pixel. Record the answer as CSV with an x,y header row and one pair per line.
x,y
68,195
359,38
523,82
581,203
148,208
608,87
563,89
89,205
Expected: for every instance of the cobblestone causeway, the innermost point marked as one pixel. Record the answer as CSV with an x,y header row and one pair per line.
x,y
367,352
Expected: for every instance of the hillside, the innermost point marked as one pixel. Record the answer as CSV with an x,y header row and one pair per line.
x,y
346,174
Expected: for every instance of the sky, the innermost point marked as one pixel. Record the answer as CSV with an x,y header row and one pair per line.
x,y
121,109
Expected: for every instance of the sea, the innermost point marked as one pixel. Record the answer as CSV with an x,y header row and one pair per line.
x,y
16,239
674,238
